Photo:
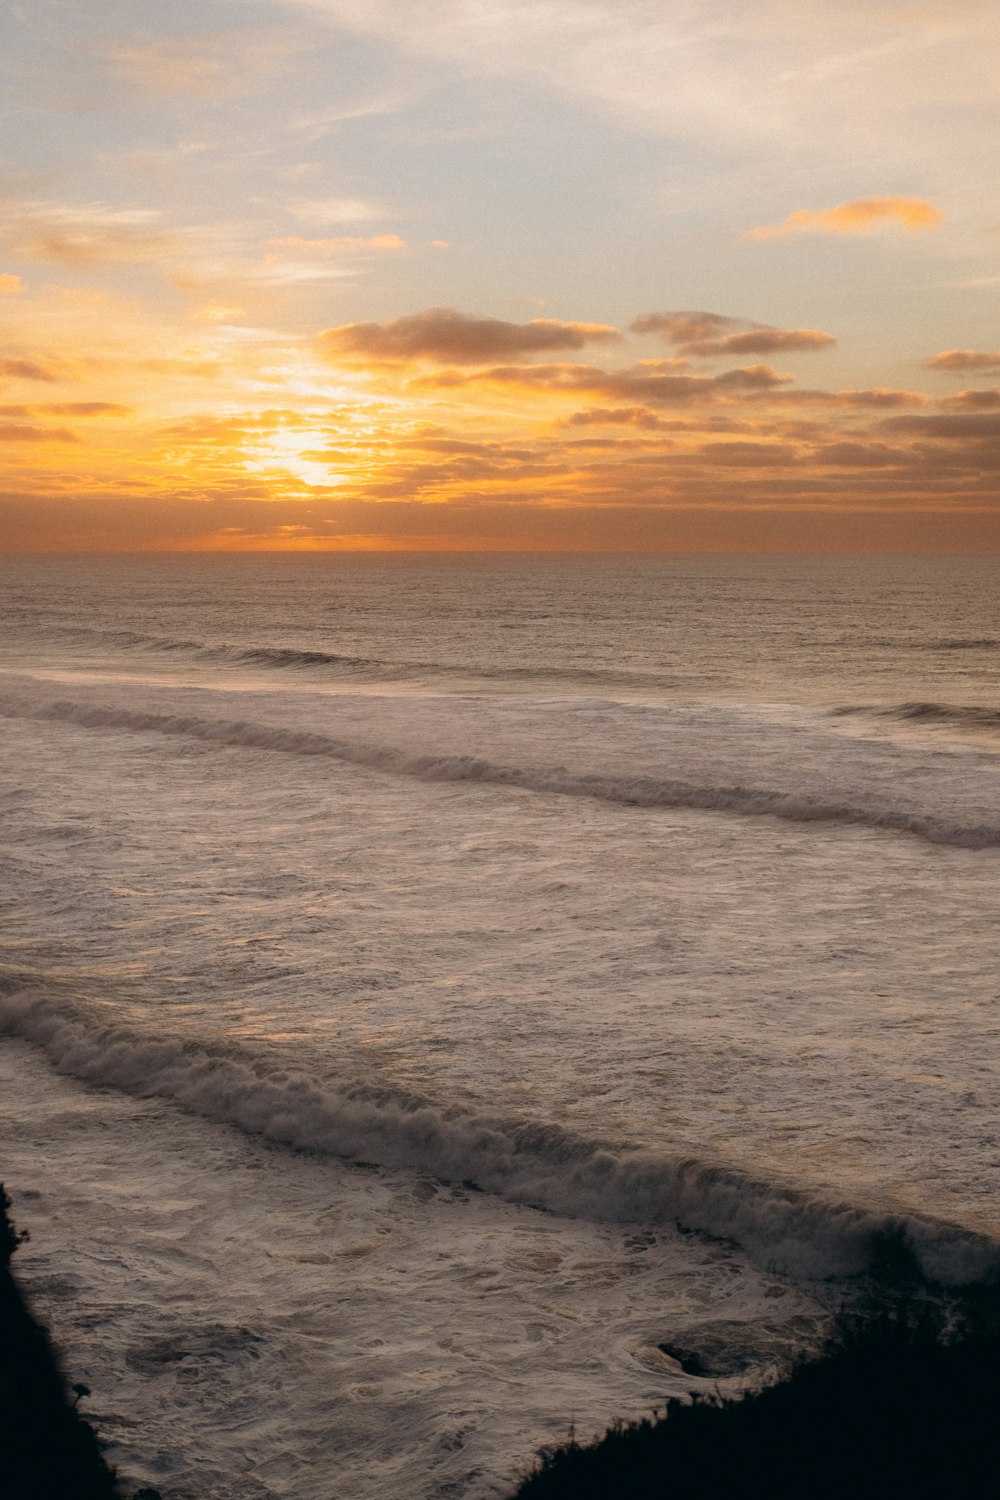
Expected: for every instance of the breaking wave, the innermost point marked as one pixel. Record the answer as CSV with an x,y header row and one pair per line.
x,y
642,791
532,1163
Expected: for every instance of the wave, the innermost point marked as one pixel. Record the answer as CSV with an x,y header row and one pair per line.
x,y
284,657
132,639
291,658
963,716
532,1163
959,643
904,643
623,790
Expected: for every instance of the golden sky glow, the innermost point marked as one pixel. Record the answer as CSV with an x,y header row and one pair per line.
x,y
359,273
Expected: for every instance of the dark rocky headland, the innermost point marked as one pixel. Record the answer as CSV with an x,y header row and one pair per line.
x,y
47,1450
899,1404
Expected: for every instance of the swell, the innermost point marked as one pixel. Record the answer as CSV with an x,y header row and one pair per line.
x,y
963,716
290,658
623,790
963,643
532,1163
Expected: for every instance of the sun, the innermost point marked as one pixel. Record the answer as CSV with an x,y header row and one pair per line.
x,y
293,450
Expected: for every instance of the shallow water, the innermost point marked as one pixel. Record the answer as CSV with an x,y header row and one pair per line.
x,y
396,950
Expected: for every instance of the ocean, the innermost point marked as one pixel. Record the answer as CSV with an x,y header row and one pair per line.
x,y
436,990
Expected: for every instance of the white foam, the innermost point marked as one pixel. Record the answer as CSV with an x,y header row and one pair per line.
x,y
532,1163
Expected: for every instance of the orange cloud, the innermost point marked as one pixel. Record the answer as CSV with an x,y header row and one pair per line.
x,y
850,455
748,455
703,334
856,217
618,416
68,409
764,341
683,327
973,401
974,427
879,399
340,245
442,334
10,285
27,369
201,369
16,432
964,359
644,383
407,435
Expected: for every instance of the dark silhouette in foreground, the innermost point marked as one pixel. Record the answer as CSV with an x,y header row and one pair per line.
x,y
896,1405
47,1450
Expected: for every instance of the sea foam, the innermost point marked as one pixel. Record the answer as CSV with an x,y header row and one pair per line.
x,y
784,1228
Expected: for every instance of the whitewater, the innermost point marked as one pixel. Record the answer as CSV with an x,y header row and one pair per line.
x,y
431,985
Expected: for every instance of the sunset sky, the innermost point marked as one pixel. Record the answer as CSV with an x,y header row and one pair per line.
x,y
553,274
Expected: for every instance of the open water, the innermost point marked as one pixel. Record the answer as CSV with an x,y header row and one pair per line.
x,y
428,985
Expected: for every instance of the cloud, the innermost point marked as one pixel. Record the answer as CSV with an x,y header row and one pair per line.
x,y
445,335
206,65
340,245
747,455
434,439
68,409
617,416
337,211
10,285
850,455
804,76
81,235
11,432
973,401
296,258
856,217
764,341
880,398
200,369
964,359
683,327
322,122
750,378
973,427
27,369
641,384
704,335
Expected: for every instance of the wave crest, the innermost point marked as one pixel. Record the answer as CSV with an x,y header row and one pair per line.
x,y
366,668
641,791
963,716
532,1163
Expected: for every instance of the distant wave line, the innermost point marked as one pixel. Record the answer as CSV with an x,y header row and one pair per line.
x,y
643,791
291,658
965,716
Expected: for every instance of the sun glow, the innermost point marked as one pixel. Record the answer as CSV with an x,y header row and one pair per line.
x,y
294,451
211,343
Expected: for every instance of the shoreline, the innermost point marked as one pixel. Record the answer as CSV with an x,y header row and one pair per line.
x,y
898,1403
